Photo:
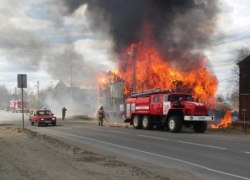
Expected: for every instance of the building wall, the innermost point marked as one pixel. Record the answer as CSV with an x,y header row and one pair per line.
x,y
244,90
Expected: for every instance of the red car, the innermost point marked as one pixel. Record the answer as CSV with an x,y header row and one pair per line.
x,y
42,117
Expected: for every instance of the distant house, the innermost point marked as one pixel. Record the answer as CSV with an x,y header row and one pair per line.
x,y
81,99
244,89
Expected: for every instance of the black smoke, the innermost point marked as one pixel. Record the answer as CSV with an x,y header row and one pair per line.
x,y
178,24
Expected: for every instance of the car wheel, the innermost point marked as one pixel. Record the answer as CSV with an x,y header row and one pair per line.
x,y
38,124
175,124
32,123
54,123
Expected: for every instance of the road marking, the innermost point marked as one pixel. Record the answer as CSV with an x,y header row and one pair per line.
x,y
164,139
101,129
158,155
203,145
247,152
152,137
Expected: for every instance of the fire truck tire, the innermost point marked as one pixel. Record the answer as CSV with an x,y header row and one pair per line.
x,y
137,122
200,126
147,122
174,124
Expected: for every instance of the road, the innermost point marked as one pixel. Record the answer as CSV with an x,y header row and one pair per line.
x,y
209,156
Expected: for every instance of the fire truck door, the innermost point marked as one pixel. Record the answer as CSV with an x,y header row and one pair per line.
x,y
128,110
156,105
166,105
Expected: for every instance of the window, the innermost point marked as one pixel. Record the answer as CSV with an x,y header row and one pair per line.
x,y
44,112
166,98
156,99
175,97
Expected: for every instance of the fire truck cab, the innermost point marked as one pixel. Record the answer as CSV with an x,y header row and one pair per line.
x,y
166,109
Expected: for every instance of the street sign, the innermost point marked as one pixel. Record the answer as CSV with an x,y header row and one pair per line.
x,y
22,81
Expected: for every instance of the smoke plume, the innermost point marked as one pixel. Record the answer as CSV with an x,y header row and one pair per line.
x,y
176,25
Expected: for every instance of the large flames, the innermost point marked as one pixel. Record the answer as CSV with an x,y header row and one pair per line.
x,y
154,71
225,122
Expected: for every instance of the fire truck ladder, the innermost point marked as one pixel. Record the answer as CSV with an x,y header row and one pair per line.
x,y
149,92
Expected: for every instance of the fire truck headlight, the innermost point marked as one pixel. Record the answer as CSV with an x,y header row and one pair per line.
x,y
42,119
53,118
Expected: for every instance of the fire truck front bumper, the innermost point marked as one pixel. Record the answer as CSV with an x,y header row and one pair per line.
x,y
198,118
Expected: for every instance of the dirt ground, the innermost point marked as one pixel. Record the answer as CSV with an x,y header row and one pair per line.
x,y
29,155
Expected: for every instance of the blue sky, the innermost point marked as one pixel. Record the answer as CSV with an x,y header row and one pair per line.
x,y
38,41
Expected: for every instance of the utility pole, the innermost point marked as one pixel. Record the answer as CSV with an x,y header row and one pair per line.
x,y
38,103
71,84
134,68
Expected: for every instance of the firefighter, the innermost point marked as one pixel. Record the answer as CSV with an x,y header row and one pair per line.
x,y
63,113
100,116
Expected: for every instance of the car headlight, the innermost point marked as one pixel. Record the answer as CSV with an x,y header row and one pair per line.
x,y
53,118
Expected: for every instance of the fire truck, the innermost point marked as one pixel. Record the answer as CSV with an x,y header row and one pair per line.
x,y
17,106
166,109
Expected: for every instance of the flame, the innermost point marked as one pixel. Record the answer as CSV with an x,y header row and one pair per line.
x,y
102,80
155,71
225,122
106,78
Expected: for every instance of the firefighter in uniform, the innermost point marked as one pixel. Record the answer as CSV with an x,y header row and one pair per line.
x,y
100,116
63,113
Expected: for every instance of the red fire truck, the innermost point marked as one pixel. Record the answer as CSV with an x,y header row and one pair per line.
x,y
166,109
17,105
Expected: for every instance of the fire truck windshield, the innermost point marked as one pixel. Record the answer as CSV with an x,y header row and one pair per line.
x,y
176,97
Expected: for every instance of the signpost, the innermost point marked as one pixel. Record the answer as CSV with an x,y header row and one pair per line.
x,y
22,83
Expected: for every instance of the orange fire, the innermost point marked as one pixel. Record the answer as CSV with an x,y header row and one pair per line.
x,y
155,71
225,122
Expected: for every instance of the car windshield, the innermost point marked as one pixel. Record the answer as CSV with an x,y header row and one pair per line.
x,y
45,112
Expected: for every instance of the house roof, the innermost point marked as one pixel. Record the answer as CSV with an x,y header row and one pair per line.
x,y
245,61
65,85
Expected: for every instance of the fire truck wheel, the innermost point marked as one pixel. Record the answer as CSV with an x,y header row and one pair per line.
x,y
174,124
146,122
200,126
137,122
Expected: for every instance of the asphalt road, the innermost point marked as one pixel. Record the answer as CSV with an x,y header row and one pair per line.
x,y
210,155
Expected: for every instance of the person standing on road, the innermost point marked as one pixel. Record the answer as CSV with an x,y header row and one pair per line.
x,y
100,116
63,113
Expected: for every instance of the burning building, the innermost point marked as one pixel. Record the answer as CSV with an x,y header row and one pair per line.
x,y
156,42
244,89
111,95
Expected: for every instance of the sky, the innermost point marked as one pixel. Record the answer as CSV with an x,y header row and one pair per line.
x,y
39,37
